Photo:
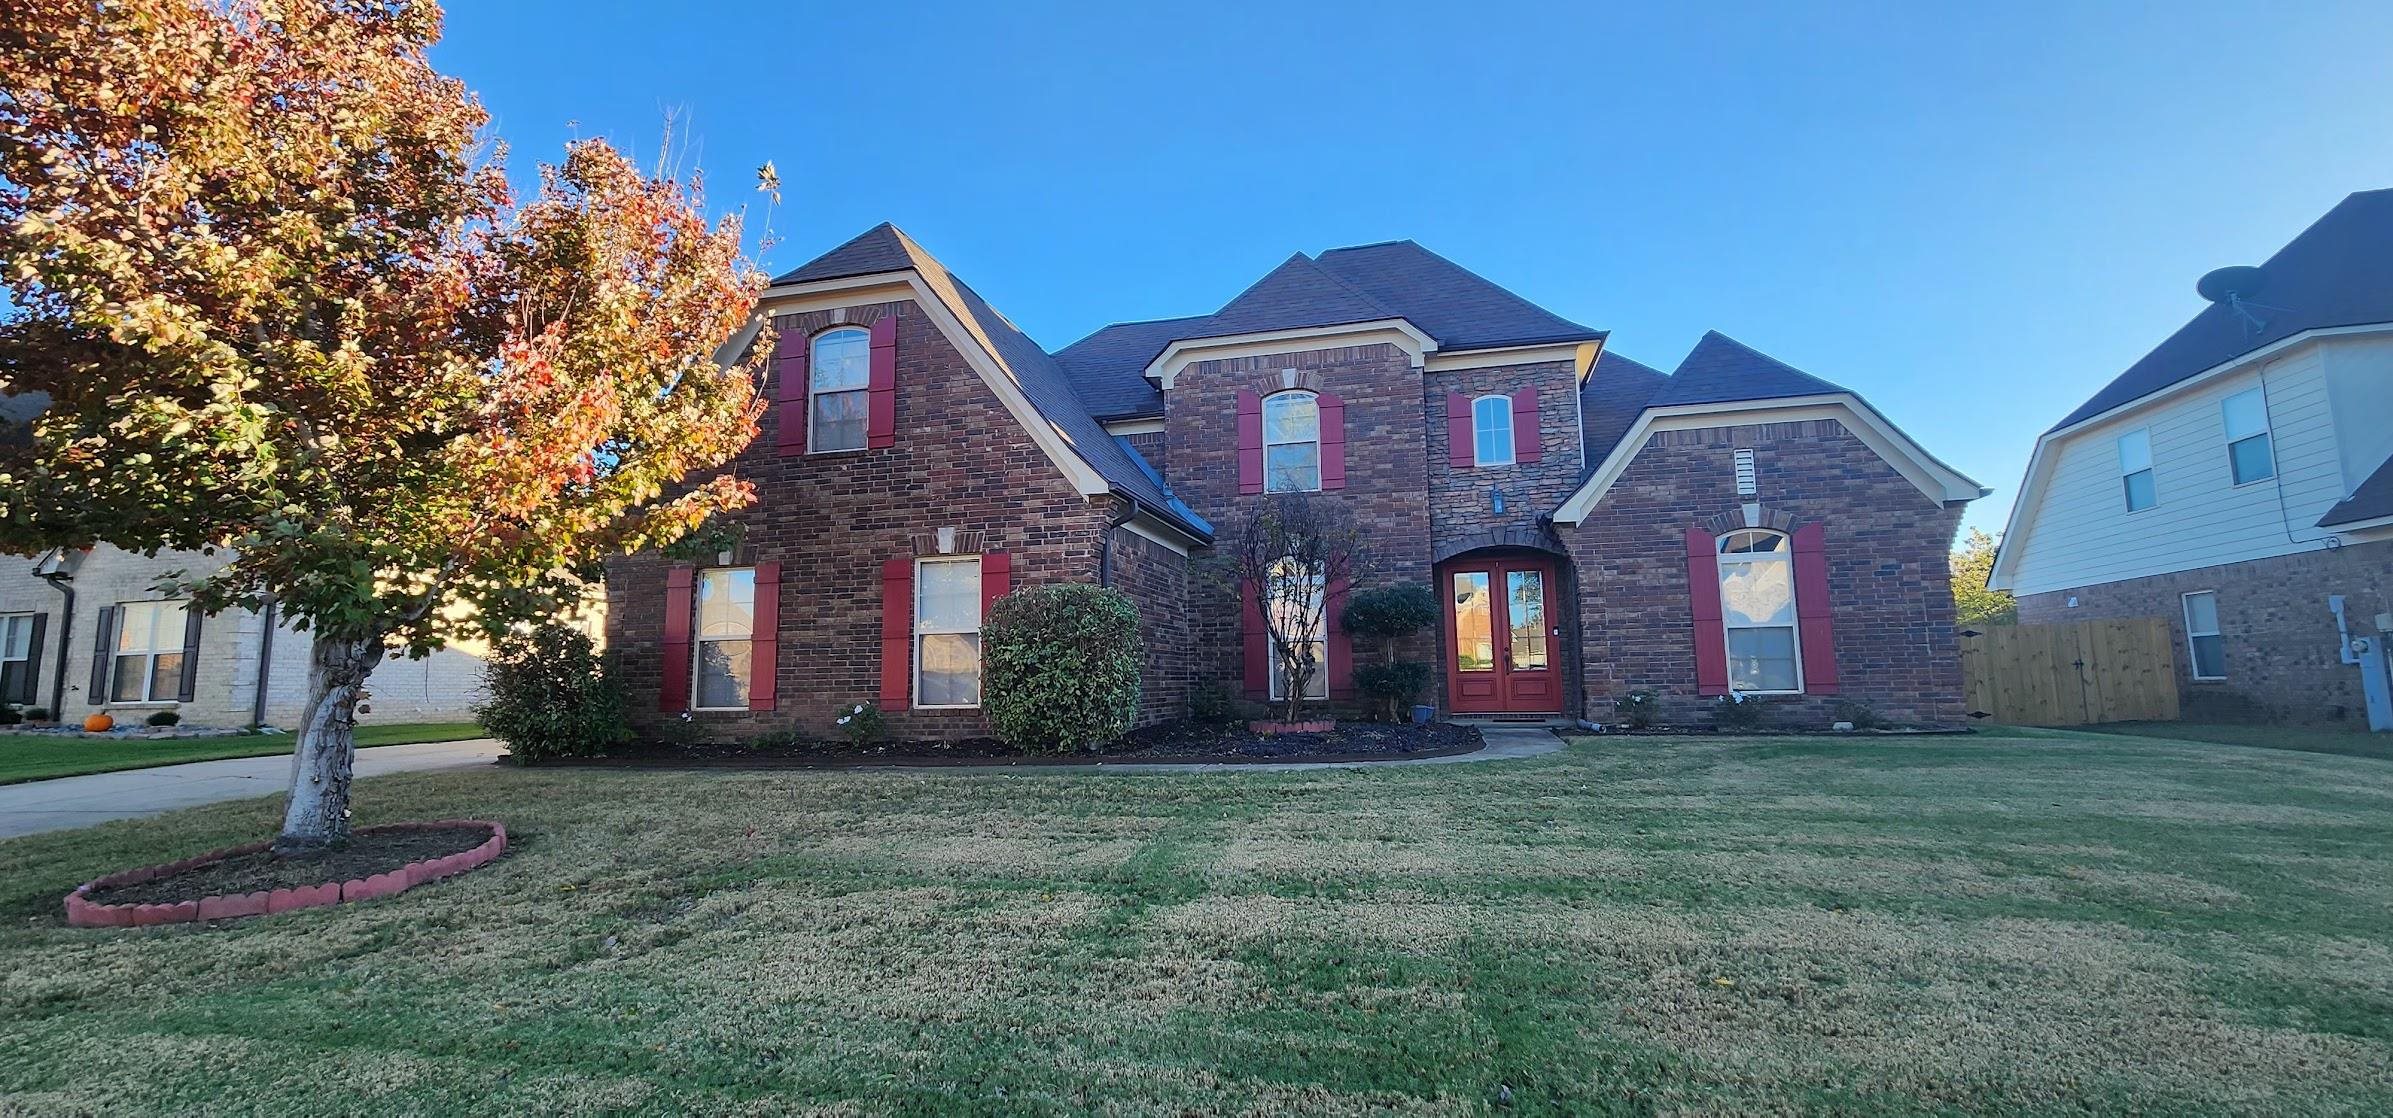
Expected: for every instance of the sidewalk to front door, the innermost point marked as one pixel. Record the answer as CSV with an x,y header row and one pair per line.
x,y
1501,637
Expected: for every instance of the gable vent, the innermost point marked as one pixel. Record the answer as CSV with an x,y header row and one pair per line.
x,y
1745,483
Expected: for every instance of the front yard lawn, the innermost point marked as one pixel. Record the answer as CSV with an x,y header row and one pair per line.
x,y
2051,924
42,756
2346,740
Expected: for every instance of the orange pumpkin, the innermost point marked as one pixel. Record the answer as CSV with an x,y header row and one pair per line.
x,y
98,724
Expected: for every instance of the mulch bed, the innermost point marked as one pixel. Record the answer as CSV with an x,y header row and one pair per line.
x,y
365,854
1169,743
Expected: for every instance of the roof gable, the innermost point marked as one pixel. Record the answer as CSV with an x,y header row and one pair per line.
x,y
1610,401
882,248
1457,306
2338,272
1298,293
2373,500
1721,369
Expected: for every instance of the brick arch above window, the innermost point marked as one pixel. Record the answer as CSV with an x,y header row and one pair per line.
x,y
1276,381
1776,520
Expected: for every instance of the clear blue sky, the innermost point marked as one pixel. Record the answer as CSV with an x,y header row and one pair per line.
x,y
1974,216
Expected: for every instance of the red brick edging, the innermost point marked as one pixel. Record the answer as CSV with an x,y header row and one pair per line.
x,y
81,912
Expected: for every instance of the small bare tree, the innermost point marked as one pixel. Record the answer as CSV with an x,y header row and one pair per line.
x,y
1288,553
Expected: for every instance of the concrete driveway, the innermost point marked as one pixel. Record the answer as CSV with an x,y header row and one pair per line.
x,y
80,801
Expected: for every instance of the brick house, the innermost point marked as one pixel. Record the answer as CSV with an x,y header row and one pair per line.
x,y
2238,482
1591,525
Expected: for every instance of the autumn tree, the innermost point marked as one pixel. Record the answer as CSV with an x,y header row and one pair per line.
x,y
268,271
1287,552
1973,604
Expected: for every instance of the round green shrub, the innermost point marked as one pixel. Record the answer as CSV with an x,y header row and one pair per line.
x,y
163,718
550,696
1389,613
1060,666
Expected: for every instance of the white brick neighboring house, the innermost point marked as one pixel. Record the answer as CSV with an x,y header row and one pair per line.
x,y
211,676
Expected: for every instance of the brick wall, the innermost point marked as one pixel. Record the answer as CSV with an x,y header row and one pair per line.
x,y
1156,578
1150,446
2279,639
1888,557
960,461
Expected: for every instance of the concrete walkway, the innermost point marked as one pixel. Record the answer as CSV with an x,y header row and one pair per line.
x,y
80,801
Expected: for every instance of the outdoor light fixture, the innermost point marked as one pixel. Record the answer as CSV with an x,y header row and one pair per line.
x,y
1495,499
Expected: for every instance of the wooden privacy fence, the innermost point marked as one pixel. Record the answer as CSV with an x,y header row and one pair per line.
x,y
2117,670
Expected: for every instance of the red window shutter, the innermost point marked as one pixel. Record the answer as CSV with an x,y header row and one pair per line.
x,y
1459,453
1703,594
1813,610
1258,645
996,579
880,417
764,641
1333,440
897,633
789,369
1525,444
1250,442
1341,650
674,694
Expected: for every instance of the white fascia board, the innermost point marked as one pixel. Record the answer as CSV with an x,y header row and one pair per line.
x,y
2039,464
1935,480
1134,427
1148,527
907,285
1395,331
1450,359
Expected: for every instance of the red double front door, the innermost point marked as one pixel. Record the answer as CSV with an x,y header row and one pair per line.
x,y
1502,651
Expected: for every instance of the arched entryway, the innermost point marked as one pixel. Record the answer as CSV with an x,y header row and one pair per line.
x,y
1504,633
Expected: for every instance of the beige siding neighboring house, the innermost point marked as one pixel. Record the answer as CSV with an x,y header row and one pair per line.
x,y
231,669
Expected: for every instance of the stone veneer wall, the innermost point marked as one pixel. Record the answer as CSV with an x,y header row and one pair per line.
x,y
2279,638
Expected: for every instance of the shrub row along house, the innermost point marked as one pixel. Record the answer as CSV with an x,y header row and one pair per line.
x,y
1591,526
2238,481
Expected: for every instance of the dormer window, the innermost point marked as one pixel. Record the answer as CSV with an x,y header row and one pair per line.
x,y
1491,431
1291,443
841,375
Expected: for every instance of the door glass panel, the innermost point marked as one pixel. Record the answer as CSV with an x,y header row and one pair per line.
x,y
1525,606
1474,623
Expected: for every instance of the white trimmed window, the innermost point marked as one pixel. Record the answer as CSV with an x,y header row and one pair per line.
x,y
947,600
2250,456
1757,606
2202,640
838,375
1289,580
148,664
16,656
725,639
1291,443
2135,470
1491,431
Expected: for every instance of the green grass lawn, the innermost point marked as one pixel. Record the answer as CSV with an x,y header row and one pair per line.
x,y
2053,924
2347,740
40,757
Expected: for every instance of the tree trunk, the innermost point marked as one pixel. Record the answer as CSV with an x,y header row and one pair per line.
x,y
318,813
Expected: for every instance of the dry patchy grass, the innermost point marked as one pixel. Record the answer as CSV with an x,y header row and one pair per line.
x,y
2063,924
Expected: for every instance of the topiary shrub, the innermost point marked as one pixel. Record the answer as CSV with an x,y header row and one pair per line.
x,y
1060,666
550,696
1389,614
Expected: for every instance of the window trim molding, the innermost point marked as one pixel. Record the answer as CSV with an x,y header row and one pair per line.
x,y
2151,466
2193,661
699,641
1315,441
914,638
814,391
149,678
2268,430
1479,442
1794,629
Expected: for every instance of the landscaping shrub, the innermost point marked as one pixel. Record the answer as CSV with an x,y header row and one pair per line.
x,y
9,715
1060,666
1862,715
550,696
164,718
1389,614
1736,711
37,714
861,723
1210,701
1639,709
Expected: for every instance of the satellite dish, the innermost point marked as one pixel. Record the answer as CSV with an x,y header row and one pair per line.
x,y
2229,284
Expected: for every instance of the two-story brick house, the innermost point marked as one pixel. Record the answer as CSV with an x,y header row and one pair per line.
x,y
1591,525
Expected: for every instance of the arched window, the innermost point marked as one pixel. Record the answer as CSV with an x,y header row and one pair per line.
x,y
1491,431
1291,443
839,372
1757,605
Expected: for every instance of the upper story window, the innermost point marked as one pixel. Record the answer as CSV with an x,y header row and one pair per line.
x,y
148,660
726,638
2250,457
2135,470
947,601
1491,431
1757,605
1291,443
839,375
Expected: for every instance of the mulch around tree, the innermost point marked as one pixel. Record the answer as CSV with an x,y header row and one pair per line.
x,y
1185,742
365,854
